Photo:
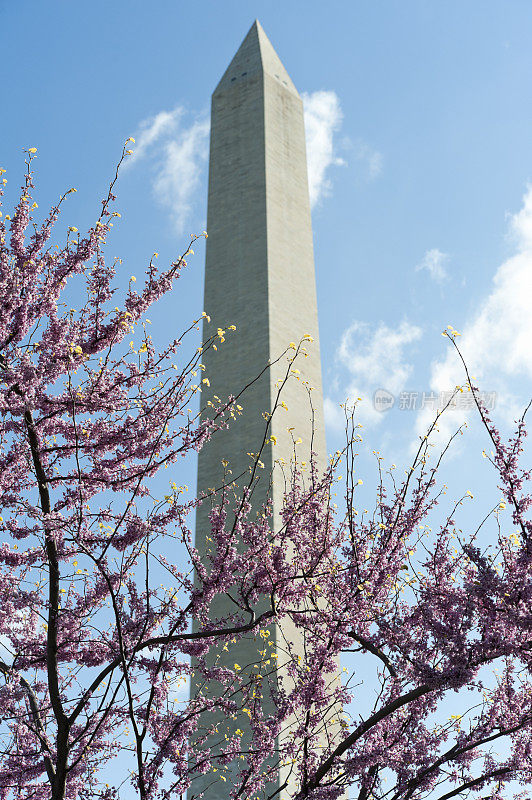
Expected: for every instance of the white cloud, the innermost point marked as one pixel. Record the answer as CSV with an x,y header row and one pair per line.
x,y
434,263
183,166
521,224
323,118
370,158
333,414
178,151
497,342
151,130
374,359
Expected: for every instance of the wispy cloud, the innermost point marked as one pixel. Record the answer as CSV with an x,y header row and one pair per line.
x,y
370,158
496,342
180,174
151,130
177,148
323,119
374,358
434,262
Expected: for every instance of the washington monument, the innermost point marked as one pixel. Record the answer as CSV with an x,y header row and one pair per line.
x,y
259,276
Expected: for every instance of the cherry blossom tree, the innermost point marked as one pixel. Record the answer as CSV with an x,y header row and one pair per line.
x,y
101,624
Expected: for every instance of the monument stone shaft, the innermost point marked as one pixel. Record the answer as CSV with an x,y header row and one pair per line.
x,y
259,276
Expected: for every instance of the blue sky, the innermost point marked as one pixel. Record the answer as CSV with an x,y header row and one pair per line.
x,y
419,121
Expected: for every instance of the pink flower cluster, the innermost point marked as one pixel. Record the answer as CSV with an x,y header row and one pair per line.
x,y
104,627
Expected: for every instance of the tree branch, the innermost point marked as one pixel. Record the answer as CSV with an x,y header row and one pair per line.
x,y
367,645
